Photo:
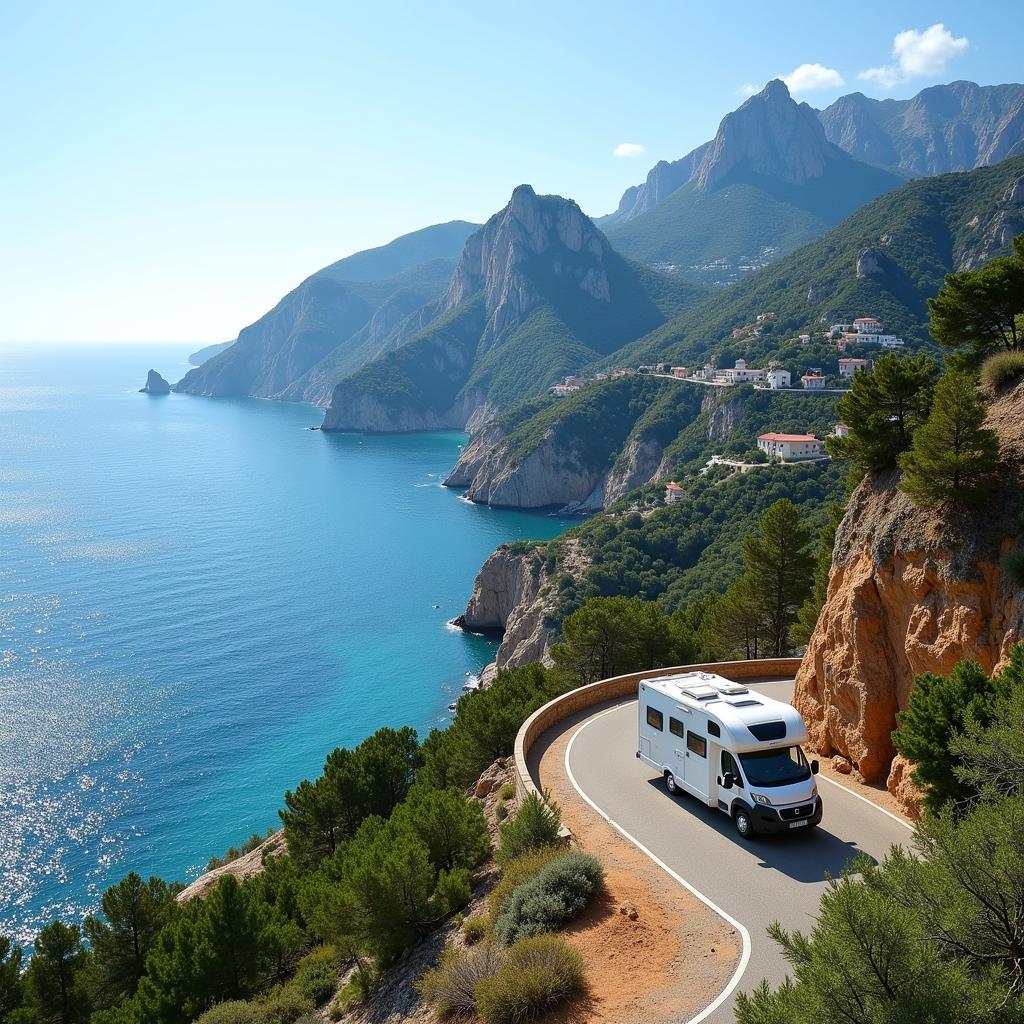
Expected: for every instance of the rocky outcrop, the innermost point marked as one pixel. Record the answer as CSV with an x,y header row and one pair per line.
x,y
869,263
910,592
243,867
512,594
954,127
991,234
662,180
769,135
637,465
353,410
155,385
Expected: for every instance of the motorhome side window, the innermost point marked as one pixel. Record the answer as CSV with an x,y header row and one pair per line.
x,y
729,765
655,718
696,744
675,727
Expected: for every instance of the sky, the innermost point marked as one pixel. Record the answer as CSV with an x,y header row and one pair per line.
x,y
169,170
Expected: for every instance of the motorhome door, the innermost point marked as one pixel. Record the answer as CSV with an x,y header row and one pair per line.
x,y
695,772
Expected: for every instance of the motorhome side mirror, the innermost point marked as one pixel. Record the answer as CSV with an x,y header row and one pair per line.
x,y
728,780
814,767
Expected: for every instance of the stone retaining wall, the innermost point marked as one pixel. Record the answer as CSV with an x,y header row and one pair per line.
x,y
604,690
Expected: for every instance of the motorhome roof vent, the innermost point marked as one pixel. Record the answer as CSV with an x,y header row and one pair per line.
x,y
700,692
732,689
745,703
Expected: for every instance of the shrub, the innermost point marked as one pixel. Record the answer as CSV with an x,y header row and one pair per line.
x,y
451,986
236,1011
517,871
235,852
284,1005
538,973
453,889
507,791
532,827
552,898
1000,369
353,992
317,975
501,811
474,929
1013,566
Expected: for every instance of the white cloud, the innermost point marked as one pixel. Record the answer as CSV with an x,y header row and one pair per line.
x,y
747,90
628,149
810,77
918,55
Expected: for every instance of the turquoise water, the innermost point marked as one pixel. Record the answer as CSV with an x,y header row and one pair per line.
x,y
198,600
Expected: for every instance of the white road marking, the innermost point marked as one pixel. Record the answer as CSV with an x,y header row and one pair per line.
x,y
744,934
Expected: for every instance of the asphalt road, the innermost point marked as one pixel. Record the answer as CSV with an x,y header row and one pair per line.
x,y
754,883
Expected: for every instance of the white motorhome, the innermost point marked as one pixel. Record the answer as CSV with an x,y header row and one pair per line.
x,y
731,748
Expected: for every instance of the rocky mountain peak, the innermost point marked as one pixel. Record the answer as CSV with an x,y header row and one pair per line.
x,y
770,135
532,237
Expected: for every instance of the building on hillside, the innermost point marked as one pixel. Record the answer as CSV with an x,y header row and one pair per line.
x,y
561,390
791,447
778,378
673,493
679,371
840,430
623,373
573,381
813,382
739,374
848,367
866,330
805,339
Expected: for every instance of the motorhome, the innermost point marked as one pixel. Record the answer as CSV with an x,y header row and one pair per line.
x,y
731,748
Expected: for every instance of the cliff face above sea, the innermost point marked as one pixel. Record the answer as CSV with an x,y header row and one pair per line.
x,y
910,592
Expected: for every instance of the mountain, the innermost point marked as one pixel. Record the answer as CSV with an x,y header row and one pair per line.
x,y
954,127
200,356
335,321
767,183
537,293
885,260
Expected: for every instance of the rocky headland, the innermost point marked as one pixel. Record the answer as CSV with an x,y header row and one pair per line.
x,y
155,385
910,592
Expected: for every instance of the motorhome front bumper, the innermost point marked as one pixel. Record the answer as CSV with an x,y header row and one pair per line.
x,y
787,819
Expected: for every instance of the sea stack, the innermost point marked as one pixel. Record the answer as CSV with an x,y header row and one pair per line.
x,y
155,385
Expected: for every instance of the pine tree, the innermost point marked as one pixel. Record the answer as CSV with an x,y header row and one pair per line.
x,y
884,408
953,455
981,310
779,564
11,985
737,621
135,911
52,976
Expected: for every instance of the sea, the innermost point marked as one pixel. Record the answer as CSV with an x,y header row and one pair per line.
x,y
199,599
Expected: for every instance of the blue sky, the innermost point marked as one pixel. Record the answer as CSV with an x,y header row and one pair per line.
x,y
171,169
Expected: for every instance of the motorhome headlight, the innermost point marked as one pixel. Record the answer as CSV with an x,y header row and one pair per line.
x,y
760,798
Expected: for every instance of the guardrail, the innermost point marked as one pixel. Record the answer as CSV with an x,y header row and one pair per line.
x,y
604,690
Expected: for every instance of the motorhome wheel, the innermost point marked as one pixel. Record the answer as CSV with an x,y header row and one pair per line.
x,y
744,824
670,783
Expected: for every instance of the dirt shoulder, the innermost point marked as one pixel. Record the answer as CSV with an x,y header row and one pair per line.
x,y
651,947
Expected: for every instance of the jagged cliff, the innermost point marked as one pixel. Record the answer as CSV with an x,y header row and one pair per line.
x,y
513,595
537,293
910,592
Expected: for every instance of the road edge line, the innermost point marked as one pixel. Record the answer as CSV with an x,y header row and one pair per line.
x,y
871,803
744,934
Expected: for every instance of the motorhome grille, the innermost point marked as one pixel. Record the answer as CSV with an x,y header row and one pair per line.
x,y
768,730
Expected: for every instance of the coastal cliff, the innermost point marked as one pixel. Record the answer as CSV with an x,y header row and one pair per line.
x,y
910,591
155,385
512,594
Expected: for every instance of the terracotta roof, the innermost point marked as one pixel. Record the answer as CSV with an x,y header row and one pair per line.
x,y
854,360
813,376
866,320
672,486
787,437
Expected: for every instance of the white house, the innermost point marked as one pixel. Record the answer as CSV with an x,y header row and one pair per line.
x,y
848,367
813,382
867,331
791,447
739,374
778,378
840,430
673,493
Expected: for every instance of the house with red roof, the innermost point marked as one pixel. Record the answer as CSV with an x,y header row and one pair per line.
x,y
791,447
673,493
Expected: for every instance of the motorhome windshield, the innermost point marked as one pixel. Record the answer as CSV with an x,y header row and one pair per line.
x,y
780,767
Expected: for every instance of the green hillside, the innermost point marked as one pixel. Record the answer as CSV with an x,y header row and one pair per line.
x,y
715,237
914,235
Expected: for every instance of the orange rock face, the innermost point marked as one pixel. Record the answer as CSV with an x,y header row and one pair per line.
x,y
910,592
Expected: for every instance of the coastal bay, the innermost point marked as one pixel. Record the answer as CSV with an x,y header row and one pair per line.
x,y
200,598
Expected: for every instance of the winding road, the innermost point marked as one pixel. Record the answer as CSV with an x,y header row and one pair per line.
x,y
751,884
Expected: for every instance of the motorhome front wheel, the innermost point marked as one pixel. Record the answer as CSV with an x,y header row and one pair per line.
x,y
744,825
670,783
